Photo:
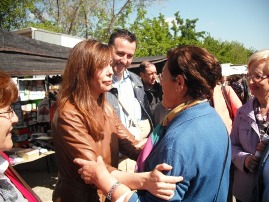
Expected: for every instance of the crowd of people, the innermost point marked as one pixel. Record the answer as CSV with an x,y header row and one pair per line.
x,y
189,135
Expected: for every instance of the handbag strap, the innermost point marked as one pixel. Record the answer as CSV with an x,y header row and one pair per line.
x,y
227,101
223,168
126,111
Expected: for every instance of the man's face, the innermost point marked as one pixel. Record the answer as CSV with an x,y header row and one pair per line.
x,y
149,76
123,53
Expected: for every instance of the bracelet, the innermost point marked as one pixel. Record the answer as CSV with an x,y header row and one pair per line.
x,y
112,189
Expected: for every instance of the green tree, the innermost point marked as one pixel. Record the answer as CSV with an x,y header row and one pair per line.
x,y
227,52
15,14
98,18
153,35
184,31
87,18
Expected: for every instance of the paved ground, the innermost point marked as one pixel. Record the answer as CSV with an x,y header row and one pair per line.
x,y
39,179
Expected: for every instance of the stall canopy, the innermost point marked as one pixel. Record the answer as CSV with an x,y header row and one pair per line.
x,y
231,69
23,56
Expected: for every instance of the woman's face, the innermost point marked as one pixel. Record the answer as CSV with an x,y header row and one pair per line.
x,y
258,80
102,81
7,119
169,88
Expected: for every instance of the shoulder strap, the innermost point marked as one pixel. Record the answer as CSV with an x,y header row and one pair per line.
x,y
223,168
20,183
33,196
126,111
227,101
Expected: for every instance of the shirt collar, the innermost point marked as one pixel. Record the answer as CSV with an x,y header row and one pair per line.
x,y
116,82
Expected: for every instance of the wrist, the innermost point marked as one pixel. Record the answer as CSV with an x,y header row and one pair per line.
x,y
144,181
112,189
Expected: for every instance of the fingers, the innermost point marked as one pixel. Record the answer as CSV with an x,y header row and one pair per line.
x,y
168,179
252,163
80,162
163,166
80,171
166,187
173,179
166,195
100,160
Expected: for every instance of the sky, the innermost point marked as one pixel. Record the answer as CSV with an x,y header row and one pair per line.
x,y
243,21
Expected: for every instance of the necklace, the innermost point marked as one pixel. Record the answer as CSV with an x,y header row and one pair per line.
x,y
262,121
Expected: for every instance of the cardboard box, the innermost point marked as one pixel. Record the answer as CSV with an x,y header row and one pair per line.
x,y
28,154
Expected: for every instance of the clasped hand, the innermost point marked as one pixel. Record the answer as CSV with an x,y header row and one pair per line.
x,y
157,183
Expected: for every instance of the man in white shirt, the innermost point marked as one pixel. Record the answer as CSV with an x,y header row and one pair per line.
x,y
127,94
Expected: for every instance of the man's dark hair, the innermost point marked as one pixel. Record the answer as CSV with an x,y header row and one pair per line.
x,y
144,65
122,33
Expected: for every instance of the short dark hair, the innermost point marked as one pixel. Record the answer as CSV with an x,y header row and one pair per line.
x,y
122,33
144,65
200,69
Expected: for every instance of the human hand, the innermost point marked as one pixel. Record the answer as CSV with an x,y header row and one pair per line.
x,y
252,163
262,145
160,185
92,172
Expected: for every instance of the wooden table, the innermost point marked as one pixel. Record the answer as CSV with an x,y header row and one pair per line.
x,y
36,156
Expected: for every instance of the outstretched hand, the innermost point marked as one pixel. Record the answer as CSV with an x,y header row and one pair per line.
x,y
161,185
92,172
156,182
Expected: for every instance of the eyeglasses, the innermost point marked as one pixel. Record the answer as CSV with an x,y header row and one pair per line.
x,y
10,113
256,77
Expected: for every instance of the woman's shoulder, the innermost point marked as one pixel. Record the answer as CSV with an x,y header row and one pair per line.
x,y
68,109
246,108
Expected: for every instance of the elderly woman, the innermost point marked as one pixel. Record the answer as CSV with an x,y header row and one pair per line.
x,y
192,137
250,126
12,186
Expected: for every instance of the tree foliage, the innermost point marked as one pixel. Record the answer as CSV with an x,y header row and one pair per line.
x,y
14,14
153,35
227,52
184,31
98,18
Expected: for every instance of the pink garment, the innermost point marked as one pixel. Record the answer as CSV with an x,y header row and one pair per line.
x,y
221,107
14,179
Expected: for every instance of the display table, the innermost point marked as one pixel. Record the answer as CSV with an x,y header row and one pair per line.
x,y
28,155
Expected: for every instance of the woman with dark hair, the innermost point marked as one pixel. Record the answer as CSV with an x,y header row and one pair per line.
x,y
12,186
192,137
86,126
